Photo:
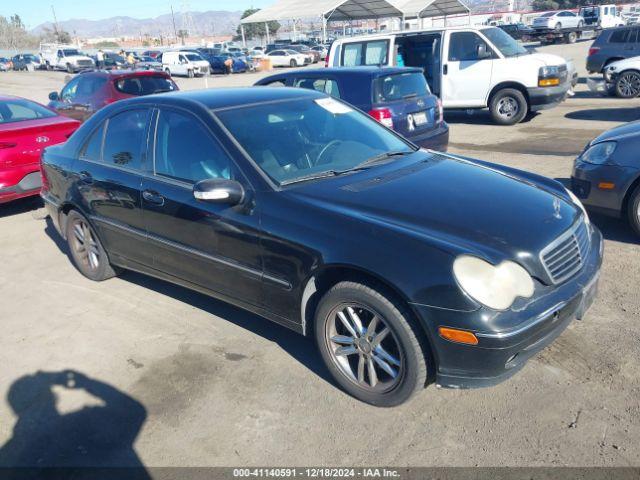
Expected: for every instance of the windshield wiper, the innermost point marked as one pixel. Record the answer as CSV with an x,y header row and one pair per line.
x,y
313,176
383,156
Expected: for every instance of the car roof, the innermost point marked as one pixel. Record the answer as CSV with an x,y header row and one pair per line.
x,y
116,74
218,98
368,71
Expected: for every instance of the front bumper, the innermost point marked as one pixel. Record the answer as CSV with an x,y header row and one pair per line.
x,y
541,98
585,183
436,139
500,354
19,183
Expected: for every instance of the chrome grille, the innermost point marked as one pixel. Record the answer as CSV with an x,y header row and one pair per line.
x,y
85,63
565,256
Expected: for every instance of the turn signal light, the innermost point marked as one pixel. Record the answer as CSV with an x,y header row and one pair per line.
x,y
548,82
606,186
459,336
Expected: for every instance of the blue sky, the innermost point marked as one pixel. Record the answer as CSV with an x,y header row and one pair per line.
x,y
34,12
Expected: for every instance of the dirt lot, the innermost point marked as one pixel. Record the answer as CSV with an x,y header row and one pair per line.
x,y
213,385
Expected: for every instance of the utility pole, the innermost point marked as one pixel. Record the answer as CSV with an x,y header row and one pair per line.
x,y
55,24
173,19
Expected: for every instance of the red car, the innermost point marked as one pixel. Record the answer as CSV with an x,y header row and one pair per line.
x,y
26,128
89,91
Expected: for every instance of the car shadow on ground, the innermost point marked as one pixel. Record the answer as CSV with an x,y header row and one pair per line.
x,y
299,347
19,206
619,114
477,117
79,442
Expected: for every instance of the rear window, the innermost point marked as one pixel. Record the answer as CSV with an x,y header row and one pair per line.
x,y
12,111
145,85
396,87
365,53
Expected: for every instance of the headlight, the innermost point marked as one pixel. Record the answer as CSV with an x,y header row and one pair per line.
x,y
495,286
548,71
576,201
599,153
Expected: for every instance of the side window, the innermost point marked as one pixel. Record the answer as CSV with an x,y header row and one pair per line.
x,y
125,139
186,151
463,46
92,149
619,36
376,52
89,85
365,53
70,90
324,85
634,36
352,54
276,83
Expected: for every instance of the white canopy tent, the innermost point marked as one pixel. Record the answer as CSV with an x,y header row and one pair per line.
x,y
430,8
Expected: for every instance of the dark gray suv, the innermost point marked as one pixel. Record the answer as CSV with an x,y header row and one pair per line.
x,y
613,44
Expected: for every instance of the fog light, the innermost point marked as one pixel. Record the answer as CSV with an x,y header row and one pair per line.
x,y
606,186
458,336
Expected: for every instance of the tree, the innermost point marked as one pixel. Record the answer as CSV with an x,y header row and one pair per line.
x,y
256,30
13,34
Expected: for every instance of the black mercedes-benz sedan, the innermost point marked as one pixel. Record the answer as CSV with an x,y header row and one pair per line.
x,y
407,266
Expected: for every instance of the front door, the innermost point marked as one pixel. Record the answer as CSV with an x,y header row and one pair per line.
x,y
108,172
466,77
212,245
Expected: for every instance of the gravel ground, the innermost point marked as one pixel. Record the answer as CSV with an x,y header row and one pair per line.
x,y
217,386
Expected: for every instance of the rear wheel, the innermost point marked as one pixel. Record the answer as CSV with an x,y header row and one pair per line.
x,y
571,37
190,73
633,210
293,63
628,84
508,106
370,344
86,250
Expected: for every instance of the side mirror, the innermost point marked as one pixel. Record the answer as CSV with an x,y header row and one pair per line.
x,y
482,52
219,190
53,96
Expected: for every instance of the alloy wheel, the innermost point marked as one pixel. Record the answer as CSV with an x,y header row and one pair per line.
x,y
508,107
629,84
85,246
364,348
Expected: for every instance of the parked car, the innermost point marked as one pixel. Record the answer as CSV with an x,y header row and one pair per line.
x,y
623,77
88,92
152,53
26,128
557,21
26,61
149,63
113,60
288,58
613,44
399,98
314,56
606,175
322,51
601,16
64,57
216,63
632,19
189,64
183,188
5,64
469,67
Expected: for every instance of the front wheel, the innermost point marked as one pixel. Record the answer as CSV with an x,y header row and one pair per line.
x,y
628,84
167,71
69,68
370,344
87,252
633,210
558,27
293,63
580,24
190,73
508,106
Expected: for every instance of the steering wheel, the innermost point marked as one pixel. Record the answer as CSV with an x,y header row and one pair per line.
x,y
324,150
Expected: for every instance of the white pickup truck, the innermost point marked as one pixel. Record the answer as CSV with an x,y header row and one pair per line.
x,y
467,67
64,57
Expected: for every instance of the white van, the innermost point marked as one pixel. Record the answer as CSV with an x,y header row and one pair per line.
x,y
185,63
602,16
467,67
64,57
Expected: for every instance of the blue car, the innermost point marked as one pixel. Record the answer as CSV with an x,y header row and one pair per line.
x,y
217,63
399,98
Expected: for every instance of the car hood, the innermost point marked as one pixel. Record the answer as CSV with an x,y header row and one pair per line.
x,y
633,62
75,58
545,59
624,131
457,204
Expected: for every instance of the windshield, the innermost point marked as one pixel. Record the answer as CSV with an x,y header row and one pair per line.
x,y
70,52
194,57
145,85
589,11
322,136
21,110
504,42
548,14
399,86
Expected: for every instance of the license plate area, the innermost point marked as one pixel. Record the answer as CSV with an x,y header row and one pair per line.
x,y
420,119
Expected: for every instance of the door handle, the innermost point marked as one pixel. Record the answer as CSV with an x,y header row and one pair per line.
x,y
445,69
153,197
85,177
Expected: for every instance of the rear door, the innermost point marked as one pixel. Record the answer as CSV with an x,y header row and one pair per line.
x,y
632,43
212,245
466,78
108,177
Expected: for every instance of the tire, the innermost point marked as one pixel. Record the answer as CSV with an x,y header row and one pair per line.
x,y
401,349
580,24
48,67
628,84
633,210
571,37
558,27
293,64
69,68
167,71
95,264
190,74
508,106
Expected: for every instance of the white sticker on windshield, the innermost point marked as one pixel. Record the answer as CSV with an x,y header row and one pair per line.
x,y
333,106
